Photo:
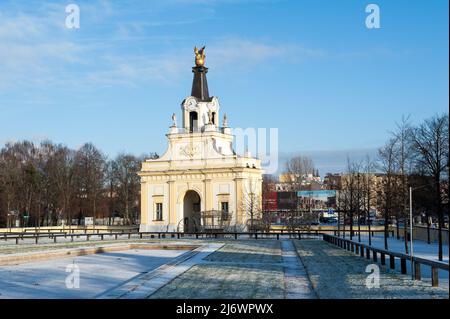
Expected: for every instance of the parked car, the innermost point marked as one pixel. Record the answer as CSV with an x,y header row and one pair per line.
x,y
378,222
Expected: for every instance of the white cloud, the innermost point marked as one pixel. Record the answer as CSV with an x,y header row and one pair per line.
x,y
236,53
36,49
331,161
244,53
32,50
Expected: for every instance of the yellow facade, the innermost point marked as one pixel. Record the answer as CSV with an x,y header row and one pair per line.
x,y
199,174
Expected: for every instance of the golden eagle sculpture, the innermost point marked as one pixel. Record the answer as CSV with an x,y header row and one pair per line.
x,y
199,56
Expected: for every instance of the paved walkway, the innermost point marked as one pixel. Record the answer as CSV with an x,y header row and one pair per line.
x,y
336,273
145,285
97,272
180,278
228,269
296,281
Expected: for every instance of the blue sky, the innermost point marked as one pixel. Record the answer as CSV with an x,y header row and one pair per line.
x,y
309,68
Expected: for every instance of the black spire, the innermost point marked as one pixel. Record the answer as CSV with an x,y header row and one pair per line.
x,y
200,84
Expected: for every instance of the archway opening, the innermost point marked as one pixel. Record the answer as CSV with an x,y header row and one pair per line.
x,y
191,211
193,122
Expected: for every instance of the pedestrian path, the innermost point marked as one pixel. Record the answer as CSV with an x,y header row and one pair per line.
x,y
336,273
296,281
143,286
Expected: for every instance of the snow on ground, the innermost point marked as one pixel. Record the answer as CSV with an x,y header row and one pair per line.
x,y
240,269
243,269
296,282
99,272
336,273
145,285
9,246
421,249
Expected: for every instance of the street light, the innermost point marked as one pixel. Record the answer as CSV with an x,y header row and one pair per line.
x,y
411,225
411,231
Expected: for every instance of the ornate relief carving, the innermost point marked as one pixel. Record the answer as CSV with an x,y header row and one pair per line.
x,y
189,150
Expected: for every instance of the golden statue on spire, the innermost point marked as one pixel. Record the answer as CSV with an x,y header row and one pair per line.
x,y
199,56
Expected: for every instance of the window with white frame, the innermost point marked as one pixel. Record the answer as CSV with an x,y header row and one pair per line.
x,y
159,211
224,208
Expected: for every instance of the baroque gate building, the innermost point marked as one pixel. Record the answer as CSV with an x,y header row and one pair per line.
x,y
200,183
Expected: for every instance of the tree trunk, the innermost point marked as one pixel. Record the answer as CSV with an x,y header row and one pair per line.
x,y
405,235
440,216
368,218
345,214
351,215
339,222
386,225
359,226
397,226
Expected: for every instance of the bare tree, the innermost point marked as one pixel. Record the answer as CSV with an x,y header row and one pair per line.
x,y
340,204
297,168
251,204
127,184
403,157
90,170
47,183
269,199
111,187
350,188
9,180
387,165
62,174
430,140
369,167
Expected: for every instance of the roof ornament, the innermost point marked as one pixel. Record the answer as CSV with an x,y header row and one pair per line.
x,y
210,116
225,120
199,56
174,120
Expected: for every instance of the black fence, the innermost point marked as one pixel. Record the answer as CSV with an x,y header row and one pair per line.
x,y
370,252
363,250
19,237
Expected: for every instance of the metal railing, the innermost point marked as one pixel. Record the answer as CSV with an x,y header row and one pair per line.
x,y
19,237
371,252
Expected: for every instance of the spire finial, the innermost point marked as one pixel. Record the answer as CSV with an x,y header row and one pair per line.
x,y
199,56
199,83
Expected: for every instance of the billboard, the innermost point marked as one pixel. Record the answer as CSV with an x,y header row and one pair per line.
x,y
318,194
287,200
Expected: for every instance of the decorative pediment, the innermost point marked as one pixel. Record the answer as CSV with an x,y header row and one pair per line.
x,y
213,105
190,103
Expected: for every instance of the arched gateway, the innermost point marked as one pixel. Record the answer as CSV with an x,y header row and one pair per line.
x,y
199,174
191,212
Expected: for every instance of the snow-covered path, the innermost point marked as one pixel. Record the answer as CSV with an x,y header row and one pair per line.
x,y
296,280
145,285
338,273
98,272
421,249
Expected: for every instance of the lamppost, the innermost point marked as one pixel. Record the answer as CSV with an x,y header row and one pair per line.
x,y
411,231
411,189
9,220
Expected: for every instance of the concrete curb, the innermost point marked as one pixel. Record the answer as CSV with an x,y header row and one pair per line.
x,y
82,251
